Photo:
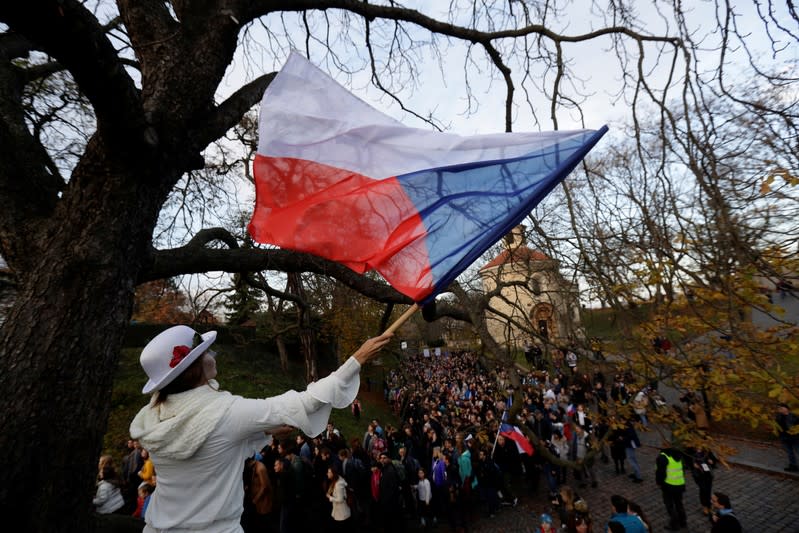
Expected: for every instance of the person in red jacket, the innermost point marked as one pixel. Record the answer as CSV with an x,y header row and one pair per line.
x,y
144,491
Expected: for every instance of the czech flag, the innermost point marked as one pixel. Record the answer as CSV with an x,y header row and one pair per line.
x,y
338,179
515,434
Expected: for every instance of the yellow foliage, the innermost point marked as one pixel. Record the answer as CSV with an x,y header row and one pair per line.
x,y
765,188
785,174
742,369
776,391
351,319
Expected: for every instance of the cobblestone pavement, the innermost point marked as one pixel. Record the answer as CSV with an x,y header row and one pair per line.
x,y
763,501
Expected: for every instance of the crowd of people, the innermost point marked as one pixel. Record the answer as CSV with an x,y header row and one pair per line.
x,y
126,492
452,460
455,458
457,405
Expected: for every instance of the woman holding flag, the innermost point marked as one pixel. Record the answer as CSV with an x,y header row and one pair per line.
x,y
199,436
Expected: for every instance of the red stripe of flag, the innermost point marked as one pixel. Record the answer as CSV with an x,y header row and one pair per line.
x,y
521,441
343,216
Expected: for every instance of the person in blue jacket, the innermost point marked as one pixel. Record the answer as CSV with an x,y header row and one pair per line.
x,y
619,514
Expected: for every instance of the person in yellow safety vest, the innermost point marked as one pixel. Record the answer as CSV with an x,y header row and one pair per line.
x,y
671,480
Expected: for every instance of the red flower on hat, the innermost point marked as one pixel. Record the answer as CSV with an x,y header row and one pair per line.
x,y
178,354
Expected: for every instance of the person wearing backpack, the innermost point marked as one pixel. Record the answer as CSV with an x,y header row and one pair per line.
x,y
455,513
303,474
402,474
357,476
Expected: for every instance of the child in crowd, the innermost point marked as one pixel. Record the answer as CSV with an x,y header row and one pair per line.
x,y
145,490
147,472
545,524
424,494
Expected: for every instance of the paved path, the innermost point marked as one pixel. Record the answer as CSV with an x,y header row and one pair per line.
x,y
764,501
765,498
767,456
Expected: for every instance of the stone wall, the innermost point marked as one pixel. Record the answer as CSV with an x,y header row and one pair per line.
x,y
543,294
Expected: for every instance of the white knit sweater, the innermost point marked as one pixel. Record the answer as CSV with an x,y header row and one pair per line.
x,y
198,441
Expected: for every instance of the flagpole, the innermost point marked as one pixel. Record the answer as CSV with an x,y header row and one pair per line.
x,y
499,430
401,320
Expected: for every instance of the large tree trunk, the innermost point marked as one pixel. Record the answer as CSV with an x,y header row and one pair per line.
x,y
60,344
58,380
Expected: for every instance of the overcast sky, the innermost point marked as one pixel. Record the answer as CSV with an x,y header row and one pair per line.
x,y
440,89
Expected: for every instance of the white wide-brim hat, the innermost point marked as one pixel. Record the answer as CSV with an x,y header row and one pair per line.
x,y
157,355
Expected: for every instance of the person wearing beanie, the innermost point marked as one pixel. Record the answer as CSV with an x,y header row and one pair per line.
x,y
545,524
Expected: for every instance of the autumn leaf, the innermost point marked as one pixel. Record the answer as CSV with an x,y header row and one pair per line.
x,y
765,187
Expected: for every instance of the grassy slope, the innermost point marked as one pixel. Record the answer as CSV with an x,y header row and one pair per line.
x,y
245,372
604,323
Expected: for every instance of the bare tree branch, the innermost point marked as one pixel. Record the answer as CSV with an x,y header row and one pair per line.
x,y
69,32
229,113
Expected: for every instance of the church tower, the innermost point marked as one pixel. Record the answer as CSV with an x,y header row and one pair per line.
x,y
534,293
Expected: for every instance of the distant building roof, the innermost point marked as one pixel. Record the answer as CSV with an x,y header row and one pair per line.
x,y
522,254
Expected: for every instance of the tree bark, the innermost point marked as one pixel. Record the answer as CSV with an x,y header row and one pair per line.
x,y
306,335
60,344
309,353
284,354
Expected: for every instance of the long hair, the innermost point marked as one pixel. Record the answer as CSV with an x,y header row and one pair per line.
x,y
333,481
568,497
190,378
108,473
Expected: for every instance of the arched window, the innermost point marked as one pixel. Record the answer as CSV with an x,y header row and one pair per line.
x,y
541,319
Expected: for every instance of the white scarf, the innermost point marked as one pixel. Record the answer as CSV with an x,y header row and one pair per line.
x,y
179,426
